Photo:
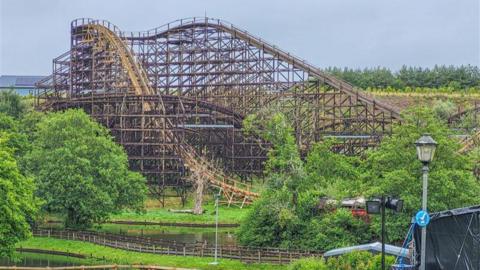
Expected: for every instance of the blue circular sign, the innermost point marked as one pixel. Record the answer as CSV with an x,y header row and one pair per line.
x,y
422,218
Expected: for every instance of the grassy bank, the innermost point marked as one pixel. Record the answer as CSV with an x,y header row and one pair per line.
x,y
155,213
111,255
153,229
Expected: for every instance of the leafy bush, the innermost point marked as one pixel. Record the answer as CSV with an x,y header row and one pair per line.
x,y
351,261
12,104
334,229
271,222
309,264
444,109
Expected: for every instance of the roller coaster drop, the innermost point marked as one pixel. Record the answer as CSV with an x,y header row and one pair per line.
x,y
175,98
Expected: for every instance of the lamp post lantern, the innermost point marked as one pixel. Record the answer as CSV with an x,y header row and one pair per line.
x,y
425,151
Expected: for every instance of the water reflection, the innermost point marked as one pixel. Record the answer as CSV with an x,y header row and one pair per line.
x,y
27,259
226,236
184,235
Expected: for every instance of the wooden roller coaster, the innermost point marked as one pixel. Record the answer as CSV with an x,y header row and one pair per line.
x,y
175,98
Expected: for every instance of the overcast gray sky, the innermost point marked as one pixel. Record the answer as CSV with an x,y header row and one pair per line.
x,y
353,33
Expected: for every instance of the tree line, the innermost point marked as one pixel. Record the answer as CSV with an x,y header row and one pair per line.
x,y
408,78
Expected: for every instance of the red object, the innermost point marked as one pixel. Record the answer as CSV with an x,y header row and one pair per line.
x,y
359,212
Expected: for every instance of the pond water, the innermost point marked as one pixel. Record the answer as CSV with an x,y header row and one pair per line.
x,y
27,259
180,235
226,236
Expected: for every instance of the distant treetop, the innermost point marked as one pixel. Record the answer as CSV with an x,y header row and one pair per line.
x,y
457,77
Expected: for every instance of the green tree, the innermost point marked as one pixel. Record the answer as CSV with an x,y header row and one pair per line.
x,y
12,104
80,171
17,203
273,220
283,156
336,175
454,77
287,213
28,123
393,169
284,167
17,140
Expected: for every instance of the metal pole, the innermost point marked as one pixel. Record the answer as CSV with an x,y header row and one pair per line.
x,y
383,232
216,228
215,262
424,208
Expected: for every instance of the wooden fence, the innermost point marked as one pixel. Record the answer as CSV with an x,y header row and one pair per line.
x,y
90,267
199,249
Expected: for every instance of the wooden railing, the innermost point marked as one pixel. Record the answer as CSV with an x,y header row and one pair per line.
x,y
199,249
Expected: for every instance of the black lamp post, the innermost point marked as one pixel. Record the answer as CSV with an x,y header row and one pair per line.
x,y
377,206
426,146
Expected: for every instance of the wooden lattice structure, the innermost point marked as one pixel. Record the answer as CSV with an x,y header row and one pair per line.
x,y
175,97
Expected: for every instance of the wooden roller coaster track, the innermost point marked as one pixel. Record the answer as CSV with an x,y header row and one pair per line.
x,y
232,189
470,143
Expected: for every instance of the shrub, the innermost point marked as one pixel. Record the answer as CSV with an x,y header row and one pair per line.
x,y
351,261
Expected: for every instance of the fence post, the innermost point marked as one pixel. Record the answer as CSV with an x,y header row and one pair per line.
x,y
259,256
184,250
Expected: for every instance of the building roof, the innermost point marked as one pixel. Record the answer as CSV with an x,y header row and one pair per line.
x,y
24,82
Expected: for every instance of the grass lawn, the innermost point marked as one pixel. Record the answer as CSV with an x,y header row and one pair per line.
x,y
156,213
117,256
